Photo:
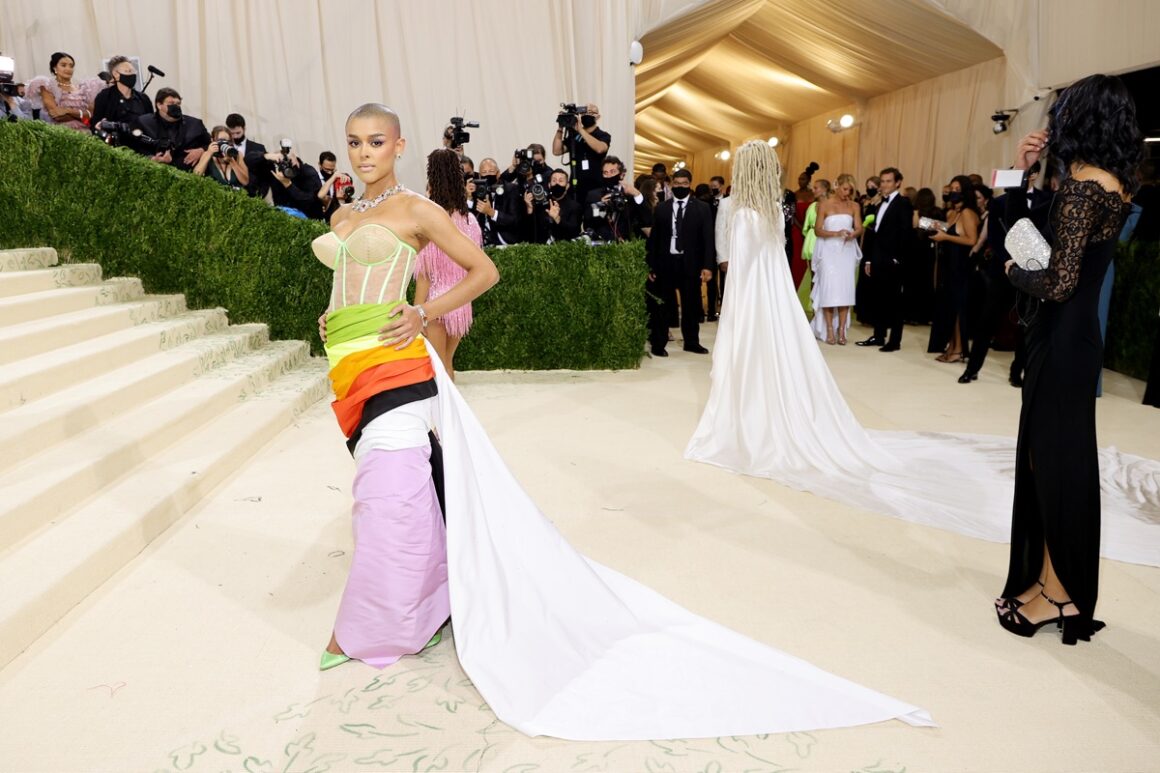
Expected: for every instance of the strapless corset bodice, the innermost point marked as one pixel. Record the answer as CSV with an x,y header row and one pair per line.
x,y
371,265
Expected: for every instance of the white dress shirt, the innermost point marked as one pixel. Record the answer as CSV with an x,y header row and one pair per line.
x,y
882,210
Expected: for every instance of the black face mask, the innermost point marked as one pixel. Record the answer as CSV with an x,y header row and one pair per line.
x,y
954,197
588,121
174,111
557,191
716,191
871,192
489,178
128,81
611,182
680,191
946,197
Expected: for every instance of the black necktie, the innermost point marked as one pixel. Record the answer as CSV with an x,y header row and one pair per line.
x,y
680,222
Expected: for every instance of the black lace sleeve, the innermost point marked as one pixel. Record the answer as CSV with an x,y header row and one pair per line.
x,y
1079,217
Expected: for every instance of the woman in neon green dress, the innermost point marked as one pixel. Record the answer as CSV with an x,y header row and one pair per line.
x,y
821,189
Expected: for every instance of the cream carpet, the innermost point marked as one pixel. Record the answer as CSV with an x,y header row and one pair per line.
x,y
201,655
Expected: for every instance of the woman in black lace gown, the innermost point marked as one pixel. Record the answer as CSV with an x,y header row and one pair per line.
x,y
1055,532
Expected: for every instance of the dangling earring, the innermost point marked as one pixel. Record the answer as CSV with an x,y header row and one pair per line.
x,y
399,157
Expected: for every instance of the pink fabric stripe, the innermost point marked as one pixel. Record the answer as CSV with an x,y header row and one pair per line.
x,y
396,596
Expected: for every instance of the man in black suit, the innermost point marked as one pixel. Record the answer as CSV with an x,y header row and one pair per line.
x,y
893,231
254,155
169,136
1000,294
681,254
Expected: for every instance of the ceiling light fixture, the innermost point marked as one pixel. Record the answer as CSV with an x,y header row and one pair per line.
x,y
841,124
724,155
773,142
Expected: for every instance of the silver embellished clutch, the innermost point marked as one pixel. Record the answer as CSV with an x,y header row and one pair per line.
x,y
1027,247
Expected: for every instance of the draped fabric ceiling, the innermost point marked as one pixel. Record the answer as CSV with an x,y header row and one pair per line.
x,y
736,69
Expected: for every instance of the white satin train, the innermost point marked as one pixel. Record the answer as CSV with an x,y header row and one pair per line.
x,y
559,645
775,411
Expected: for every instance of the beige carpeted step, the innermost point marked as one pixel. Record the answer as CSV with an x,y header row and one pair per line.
x,y
44,335
38,425
73,275
33,377
41,490
33,306
28,259
53,570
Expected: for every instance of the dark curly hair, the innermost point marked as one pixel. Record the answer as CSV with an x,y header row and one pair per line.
x,y
1094,122
446,180
968,189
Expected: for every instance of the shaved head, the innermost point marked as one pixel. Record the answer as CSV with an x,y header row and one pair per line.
x,y
377,110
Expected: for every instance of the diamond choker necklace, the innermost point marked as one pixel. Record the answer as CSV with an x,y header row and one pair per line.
x,y
362,205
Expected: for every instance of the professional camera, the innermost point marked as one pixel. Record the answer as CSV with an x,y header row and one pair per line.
x,y
7,76
484,189
156,144
617,203
344,188
569,115
114,133
226,149
540,196
526,161
284,165
457,135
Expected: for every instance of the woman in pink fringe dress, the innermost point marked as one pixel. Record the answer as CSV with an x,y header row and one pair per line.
x,y
435,273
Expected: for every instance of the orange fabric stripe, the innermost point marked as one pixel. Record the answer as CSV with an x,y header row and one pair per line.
x,y
349,368
371,382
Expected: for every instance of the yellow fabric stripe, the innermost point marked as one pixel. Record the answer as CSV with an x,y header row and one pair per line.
x,y
343,375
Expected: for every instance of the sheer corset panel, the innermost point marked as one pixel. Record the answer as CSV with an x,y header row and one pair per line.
x,y
1084,213
371,265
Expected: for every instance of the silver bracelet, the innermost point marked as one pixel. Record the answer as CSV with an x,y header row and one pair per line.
x,y
422,316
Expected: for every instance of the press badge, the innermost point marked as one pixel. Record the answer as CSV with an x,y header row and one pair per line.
x,y
584,165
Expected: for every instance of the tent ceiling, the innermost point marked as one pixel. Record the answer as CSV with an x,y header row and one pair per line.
x,y
738,68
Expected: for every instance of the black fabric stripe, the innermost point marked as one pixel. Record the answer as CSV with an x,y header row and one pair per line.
x,y
437,472
385,401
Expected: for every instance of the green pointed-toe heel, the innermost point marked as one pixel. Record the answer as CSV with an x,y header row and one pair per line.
x,y
330,660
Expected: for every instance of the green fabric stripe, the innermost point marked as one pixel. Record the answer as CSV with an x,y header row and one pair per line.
x,y
358,321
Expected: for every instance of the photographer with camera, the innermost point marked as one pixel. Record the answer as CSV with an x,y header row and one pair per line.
x,y
254,155
557,216
222,163
500,204
454,136
12,103
296,184
337,187
608,210
585,144
168,136
121,103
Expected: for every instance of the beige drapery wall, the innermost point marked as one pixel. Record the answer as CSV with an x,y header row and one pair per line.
x,y
296,68
931,131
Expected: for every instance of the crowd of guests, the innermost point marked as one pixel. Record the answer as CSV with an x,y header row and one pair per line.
x,y
940,264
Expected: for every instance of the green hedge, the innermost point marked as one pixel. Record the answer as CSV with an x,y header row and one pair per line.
x,y
1133,319
557,306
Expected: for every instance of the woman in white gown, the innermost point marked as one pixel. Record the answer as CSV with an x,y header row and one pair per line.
x,y
836,258
759,420
555,643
